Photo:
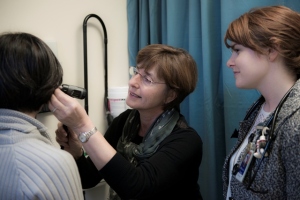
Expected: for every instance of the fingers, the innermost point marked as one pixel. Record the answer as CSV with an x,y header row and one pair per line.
x,y
64,107
68,111
72,135
68,140
61,135
63,145
54,103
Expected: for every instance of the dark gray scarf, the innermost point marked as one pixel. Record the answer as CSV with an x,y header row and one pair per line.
x,y
160,129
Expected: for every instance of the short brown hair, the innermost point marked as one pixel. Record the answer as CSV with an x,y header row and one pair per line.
x,y
174,65
275,27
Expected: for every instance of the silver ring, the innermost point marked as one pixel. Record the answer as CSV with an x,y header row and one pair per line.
x,y
54,110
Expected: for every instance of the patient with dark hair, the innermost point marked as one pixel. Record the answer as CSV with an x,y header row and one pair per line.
x,y
32,166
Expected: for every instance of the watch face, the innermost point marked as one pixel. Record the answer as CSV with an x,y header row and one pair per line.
x,y
82,137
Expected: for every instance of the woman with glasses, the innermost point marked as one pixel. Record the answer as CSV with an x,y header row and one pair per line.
x,y
265,162
149,151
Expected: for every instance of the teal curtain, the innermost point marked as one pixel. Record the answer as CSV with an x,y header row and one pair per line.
x,y
216,107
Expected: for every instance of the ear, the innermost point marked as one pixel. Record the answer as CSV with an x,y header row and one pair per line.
x,y
171,96
273,54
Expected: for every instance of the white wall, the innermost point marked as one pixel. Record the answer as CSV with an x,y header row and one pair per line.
x,y
59,22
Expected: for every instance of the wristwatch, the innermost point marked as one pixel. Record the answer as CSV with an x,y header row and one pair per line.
x,y
84,137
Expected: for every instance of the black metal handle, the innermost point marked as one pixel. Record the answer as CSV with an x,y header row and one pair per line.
x,y
85,57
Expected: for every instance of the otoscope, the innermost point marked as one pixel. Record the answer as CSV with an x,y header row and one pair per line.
x,y
72,91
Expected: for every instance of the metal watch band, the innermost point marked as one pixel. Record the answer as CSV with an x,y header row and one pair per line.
x,y
84,137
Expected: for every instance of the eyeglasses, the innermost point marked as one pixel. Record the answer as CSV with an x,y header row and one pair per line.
x,y
146,80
